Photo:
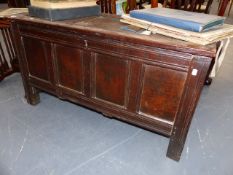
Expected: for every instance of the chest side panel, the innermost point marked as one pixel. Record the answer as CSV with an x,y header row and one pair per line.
x,y
37,55
69,67
110,79
161,92
38,59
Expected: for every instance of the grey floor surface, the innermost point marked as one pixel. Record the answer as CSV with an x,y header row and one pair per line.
x,y
60,138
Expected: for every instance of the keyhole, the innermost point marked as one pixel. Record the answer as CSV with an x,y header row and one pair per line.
x,y
85,43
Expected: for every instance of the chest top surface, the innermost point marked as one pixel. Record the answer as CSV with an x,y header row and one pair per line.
x,y
110,26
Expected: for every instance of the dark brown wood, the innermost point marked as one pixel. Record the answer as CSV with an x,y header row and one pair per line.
x,y
70,64
209,3
179,4
7,66
193,5
186,3
230,7
222,7
154,3
159,97
4,67
186,110
7,43
18,3
107,6
150,81
132,5
189,5
110,79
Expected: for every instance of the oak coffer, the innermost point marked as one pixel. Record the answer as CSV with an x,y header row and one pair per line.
x,y
150,81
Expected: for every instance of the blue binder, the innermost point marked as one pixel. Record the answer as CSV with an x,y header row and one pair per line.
x,y
192,21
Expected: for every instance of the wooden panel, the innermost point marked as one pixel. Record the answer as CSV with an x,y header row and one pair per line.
x,y
111,79
70,67
161,92
38,55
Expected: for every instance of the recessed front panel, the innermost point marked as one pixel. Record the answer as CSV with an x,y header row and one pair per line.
x,y
38,56
70,67
111,79
161,92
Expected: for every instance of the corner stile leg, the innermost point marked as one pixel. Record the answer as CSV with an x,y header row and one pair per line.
x,y
187,107
32,96
31,93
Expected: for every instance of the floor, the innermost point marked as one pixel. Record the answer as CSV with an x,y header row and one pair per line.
x,y
60,138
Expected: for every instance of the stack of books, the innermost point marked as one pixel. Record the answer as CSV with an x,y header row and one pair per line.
x,y
194,27
54,10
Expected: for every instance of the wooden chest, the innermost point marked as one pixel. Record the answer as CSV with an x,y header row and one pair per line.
x,y
150,81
